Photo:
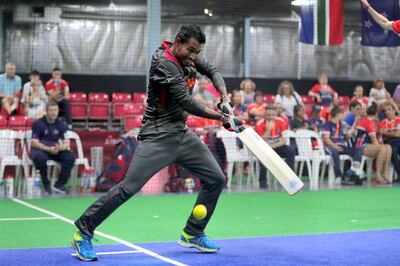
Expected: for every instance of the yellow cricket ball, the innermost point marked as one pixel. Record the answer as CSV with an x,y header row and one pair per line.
x,y
200,212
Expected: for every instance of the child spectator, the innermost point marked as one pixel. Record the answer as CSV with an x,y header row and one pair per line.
x,y
256,110
378,94
354,115
299,120
315,122
335,141
36,100
323,93
358,96
270,129
280,115
288,98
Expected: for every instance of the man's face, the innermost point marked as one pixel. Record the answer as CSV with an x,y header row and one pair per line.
x,y
323,80
10,71
187,52
52,112
357,110
57,75
270,114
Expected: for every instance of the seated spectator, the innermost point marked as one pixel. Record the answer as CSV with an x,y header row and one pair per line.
x,y
49,143
324,94
240,110
10,84
335,141
354,115
58,91
389,128
358,96
280,115
366,139
247,88
200,93
256,110
271,129
36,101
299,120
315,122
288,98
378,94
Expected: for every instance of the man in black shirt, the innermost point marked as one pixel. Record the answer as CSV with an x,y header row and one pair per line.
x,y
164,139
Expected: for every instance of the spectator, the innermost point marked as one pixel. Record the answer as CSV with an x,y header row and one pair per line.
x,y
288,98
358,96
270,129
247,88
335,142
240,110
366,139
315,122
389,128
201,94
10,84
323,93
58,91
256,110
354,115
28,90
49,143
280,115
299,120
378,94
36,100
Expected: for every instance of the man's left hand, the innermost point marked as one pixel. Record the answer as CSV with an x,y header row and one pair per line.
x,y
225,106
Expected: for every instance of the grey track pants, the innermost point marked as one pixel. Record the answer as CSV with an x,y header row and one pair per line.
x,y
151,155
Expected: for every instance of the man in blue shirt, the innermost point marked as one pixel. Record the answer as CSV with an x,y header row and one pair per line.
x,y
10,84
355,111
48,143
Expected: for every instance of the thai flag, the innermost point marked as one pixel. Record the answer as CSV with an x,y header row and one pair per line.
x,y
372,33
322,22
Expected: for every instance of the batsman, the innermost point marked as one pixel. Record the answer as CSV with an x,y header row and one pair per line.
x,y
164,139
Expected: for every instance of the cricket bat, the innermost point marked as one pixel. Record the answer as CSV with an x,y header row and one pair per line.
x,y
271,160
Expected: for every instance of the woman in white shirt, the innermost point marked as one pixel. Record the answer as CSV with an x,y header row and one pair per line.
x,y
36,101
288,98
378,93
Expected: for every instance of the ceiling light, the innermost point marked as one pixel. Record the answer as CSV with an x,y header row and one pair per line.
x,y
303,2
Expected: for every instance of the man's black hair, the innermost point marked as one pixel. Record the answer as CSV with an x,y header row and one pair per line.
x,y
34,73
56,69
354,104
191,31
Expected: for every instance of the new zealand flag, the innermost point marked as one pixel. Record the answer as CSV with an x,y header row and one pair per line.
x,y
372,33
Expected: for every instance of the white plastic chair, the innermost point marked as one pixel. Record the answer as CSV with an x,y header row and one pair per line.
x,y
317,156
236,155
299,159
10,140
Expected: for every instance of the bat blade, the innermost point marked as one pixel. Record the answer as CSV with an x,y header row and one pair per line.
x,y
271,160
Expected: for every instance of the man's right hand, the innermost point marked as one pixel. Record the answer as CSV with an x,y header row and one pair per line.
x,y
225,106
232,123
365,3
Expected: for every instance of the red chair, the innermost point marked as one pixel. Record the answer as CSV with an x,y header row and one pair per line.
x,y
99,106
78,101
309,108
3,122
133,109
119,101
344,100
132,122
18,122
139,97
307,99
194,121
269,98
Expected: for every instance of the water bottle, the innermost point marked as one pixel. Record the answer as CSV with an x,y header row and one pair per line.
x,y
29,186
85,181
37,184
9,187
92,179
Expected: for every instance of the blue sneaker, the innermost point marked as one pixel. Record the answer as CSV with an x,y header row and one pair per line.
x,y
83,246
201,242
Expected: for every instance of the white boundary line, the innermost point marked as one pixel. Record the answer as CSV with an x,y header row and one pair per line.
x,y
27,219
113,252
116,239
